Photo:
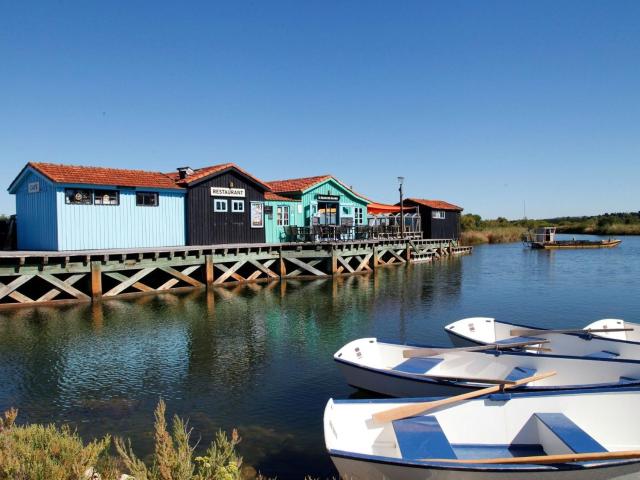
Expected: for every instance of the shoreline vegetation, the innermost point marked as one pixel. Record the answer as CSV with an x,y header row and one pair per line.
x,y
476,230
33,451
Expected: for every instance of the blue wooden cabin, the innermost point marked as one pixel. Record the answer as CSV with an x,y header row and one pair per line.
x,y
62,207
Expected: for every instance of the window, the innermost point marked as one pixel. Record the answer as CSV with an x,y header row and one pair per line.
x,y
359,215
220,205
439,214
283,216
76,196
237,205
147,199
106,197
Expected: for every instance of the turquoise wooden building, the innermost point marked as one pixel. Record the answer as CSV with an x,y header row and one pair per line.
x,y
323,200
280,212
62,207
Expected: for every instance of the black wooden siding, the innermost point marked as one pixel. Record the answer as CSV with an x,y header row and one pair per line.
x,y
206,227
448,227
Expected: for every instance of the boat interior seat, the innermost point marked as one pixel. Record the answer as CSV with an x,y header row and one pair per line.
x,y
628,380
422,437
602,354
519,373
571,436
417,365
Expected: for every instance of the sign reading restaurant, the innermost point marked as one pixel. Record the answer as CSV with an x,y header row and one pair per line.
x,y
227,192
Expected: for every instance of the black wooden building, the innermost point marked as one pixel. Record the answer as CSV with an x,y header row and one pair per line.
x,y
224,204
438,219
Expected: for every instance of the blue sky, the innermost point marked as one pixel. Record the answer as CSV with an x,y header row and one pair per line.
x,y
484,104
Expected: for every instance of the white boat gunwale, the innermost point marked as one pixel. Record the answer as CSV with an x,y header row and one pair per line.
x,y
464,385
586,335
481,467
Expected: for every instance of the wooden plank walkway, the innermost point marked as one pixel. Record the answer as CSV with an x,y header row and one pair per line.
x,y
40,277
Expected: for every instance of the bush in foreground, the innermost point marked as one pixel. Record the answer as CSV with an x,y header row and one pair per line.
x,y
47,452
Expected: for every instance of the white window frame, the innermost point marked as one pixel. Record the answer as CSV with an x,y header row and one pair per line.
x,y
217,202
438,214
280,216
358,215
234,205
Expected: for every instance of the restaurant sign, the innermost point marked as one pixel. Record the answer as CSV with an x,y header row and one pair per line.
x,y
328,198
227,192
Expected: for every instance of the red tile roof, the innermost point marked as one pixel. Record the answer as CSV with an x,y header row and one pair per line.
x,y
297,185
204,172
280,198
435,204
103,176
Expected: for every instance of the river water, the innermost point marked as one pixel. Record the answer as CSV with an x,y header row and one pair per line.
x,y
259,357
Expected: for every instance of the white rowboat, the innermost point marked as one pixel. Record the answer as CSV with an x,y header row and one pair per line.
x,y
591,435
385,368
580,342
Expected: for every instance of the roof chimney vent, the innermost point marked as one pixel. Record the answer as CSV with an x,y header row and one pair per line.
x,y
184,172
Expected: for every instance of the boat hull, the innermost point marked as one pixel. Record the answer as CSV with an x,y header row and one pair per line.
x,y
395,385
559,245
360,469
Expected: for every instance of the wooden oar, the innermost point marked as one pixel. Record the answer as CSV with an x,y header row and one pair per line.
x,y
430,352
498,381
561,458
517,332
411,410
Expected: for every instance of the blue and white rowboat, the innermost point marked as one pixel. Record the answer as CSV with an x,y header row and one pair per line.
x,y
543,436
385,368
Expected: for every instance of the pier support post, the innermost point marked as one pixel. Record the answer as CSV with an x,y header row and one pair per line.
x,y
96,280
374,257
283,267
208,269
407,252
334,261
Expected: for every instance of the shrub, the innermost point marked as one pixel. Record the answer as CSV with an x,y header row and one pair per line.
x,y
173,454
45,452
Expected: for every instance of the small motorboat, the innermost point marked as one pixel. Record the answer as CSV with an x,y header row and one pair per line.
x,y
529,436
589,341
417,371
545,238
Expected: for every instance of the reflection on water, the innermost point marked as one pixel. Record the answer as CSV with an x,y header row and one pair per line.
x,y
259,357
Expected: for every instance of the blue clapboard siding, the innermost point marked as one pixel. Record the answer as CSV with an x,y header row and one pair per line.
x,y
126,225
36,214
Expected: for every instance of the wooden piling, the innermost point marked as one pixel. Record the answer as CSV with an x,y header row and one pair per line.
x,y
208,269
96,280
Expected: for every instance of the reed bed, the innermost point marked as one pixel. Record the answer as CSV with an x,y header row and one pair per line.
x,y
492,235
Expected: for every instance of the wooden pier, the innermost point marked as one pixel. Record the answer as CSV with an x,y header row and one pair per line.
x,y
35,278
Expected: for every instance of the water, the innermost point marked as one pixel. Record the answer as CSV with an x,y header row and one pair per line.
x,y
259,357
